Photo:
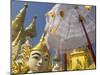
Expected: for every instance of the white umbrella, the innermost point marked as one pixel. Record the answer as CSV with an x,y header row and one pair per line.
x,y
68,29
65,29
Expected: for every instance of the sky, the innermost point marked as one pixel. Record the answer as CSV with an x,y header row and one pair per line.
x,y
35,9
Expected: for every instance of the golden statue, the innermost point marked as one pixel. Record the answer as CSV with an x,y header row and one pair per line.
x,y
39,60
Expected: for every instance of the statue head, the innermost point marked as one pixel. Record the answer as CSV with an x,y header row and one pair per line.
x,y
39,60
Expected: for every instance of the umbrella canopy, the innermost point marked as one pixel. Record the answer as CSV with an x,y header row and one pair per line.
x,y
64,29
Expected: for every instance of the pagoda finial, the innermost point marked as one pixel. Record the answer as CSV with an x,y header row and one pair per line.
x,y
18,22
26,4
16,39
31,29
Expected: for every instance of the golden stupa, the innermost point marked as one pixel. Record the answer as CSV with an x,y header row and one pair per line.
x,y
18,22
19,35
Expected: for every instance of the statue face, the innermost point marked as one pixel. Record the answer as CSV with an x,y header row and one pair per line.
x,y
38,61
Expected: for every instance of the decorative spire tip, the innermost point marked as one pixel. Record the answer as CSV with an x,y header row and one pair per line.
x,y
26,4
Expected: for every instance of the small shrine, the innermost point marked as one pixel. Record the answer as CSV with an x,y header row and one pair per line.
x,y
78,59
